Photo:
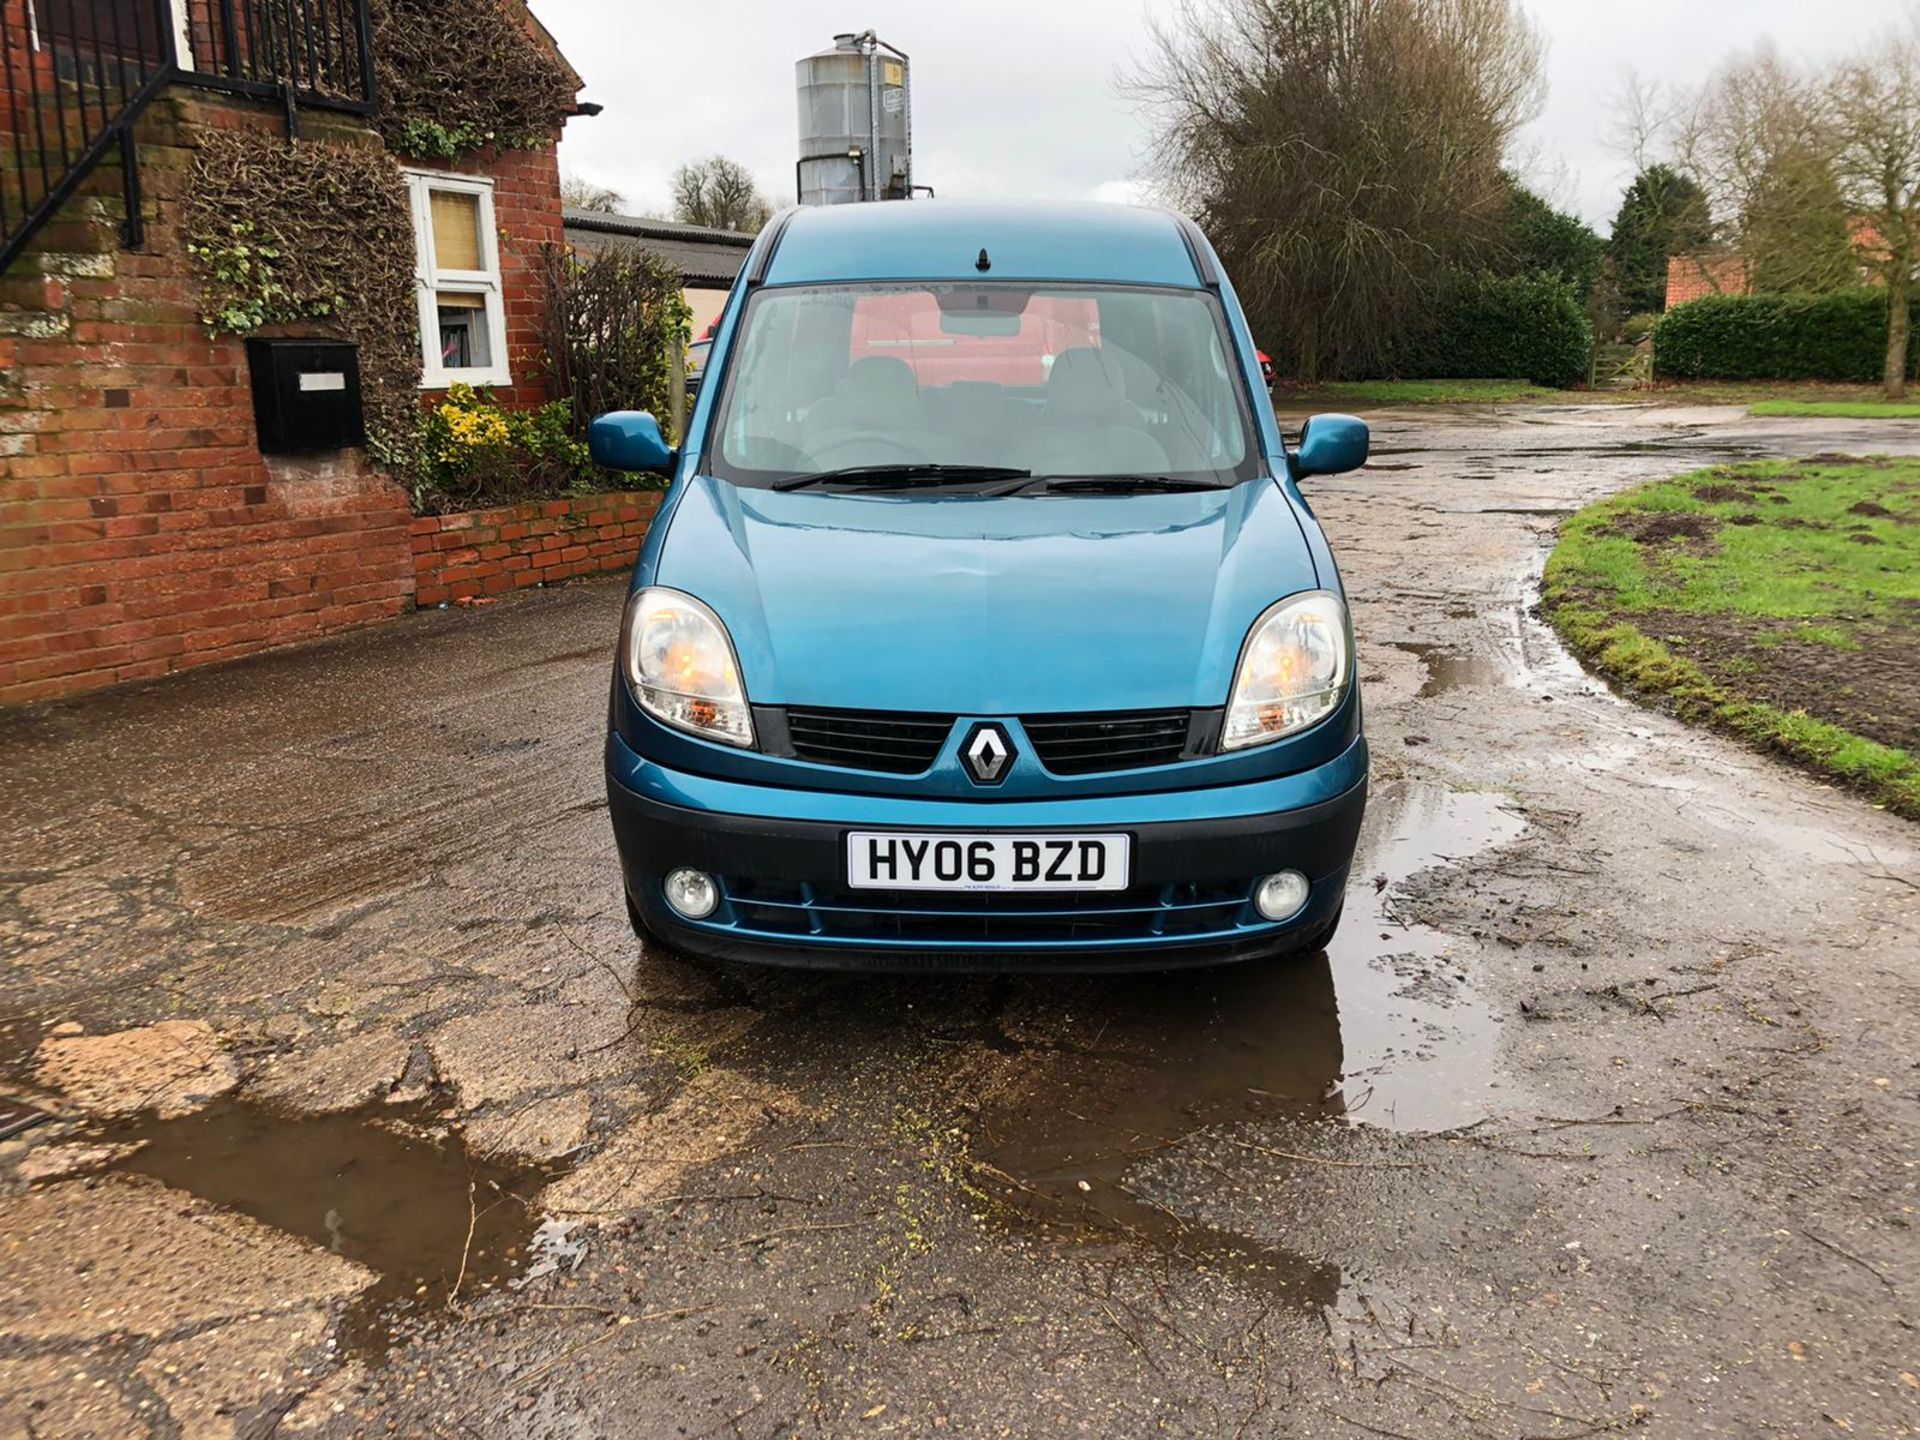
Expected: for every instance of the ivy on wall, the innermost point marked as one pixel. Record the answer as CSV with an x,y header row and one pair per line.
x,y
456,75
317,233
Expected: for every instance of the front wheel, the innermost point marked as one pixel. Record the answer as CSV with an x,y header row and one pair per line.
x,y
639,922
1316,940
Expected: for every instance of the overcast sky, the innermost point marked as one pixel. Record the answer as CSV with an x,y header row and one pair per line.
x,y
1022,97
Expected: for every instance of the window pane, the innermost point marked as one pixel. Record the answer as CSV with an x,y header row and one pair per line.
x,y
464,343
456,230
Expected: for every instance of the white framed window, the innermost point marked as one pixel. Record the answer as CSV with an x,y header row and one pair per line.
x,y
463,317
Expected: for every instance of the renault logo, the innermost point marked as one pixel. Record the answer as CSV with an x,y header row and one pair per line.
x,y
987,754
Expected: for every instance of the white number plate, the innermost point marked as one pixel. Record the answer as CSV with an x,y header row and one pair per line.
x,y
891,860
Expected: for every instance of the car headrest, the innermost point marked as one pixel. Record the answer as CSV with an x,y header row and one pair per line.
x,y
1081,386
880,380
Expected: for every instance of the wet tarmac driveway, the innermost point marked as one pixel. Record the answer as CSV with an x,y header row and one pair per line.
x,y
342,1101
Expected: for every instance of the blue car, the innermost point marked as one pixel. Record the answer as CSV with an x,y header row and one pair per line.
x,y
983,625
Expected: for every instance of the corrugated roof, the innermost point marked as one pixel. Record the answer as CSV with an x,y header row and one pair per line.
x,y
707,258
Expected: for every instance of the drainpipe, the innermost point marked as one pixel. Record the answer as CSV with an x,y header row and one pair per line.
x,y
906,98
870,183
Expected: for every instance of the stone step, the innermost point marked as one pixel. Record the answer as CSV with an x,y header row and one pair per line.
x,y
87,225
18,323
31,290
83,265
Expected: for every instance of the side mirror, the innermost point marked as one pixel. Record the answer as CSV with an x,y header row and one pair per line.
x,y
629,440
1331,445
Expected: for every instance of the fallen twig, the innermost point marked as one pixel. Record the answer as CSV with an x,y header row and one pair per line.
x,y
1487,1144
732,1422
767,1235
1608,1425
473,1219
1849,1255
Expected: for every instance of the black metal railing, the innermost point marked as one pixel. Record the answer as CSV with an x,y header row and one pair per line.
x,y
312,52
78,73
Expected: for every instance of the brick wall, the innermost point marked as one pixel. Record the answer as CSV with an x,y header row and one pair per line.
x,y
1691,277
489,552
527,211
141,530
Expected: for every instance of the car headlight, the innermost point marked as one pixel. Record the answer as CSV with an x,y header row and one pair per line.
x,y
680,663
1293,670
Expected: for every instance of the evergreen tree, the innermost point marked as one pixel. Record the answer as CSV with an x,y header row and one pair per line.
x,y
1543,241
1662,214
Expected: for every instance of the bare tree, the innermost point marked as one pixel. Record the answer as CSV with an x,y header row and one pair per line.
x,y
1874,103
1645,115
720,194
579,193
1757,140
1345,155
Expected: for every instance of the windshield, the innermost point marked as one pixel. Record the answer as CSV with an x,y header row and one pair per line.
x,y
1056,380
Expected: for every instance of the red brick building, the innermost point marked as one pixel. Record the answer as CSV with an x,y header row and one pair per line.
x,y
1692,277
142,530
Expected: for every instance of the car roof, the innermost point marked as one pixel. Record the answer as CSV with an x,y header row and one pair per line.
x,y
942,240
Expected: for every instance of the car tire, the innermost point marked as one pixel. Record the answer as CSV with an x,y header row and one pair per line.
x,y
1316,940
641,929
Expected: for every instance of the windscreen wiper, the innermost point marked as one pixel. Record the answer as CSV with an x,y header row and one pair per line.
x,y
902,476
1113,484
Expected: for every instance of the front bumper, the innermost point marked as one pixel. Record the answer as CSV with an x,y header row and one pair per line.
x,y
779,857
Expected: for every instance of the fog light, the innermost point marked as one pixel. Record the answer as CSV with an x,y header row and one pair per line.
x,y
1281,896
692,894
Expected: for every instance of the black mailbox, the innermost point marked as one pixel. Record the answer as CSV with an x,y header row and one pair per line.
x,y
306,395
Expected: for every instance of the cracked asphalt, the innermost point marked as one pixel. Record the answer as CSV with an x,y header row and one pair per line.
x,y
368,1115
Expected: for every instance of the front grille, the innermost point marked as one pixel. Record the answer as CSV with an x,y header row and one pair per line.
x,y
894,742
1116,740
943,918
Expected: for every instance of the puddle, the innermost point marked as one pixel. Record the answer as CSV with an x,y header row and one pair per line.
x,y
17,1117
1381,1029
20,1036
398,1203
1164,1056
1450,670
1420,1044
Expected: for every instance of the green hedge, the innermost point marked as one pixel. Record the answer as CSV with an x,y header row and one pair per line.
x,y
1523,327
1837,336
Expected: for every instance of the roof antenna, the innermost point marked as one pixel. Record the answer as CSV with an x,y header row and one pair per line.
x,y
983,264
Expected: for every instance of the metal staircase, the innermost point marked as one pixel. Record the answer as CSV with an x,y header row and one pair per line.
x,y
78,73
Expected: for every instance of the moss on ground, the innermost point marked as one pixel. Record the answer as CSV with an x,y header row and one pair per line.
x,y
1777,601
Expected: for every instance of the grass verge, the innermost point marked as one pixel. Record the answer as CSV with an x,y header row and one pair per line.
x,y
1756,392
1765,397
1387,393
1840,409
1777,601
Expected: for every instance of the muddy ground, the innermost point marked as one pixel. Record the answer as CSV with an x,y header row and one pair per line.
x,y
371,1117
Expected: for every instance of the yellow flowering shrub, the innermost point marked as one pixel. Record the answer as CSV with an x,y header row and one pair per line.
x,y
473,452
